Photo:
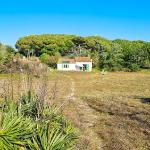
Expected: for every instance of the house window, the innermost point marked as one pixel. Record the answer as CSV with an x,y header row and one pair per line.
x,y
65,66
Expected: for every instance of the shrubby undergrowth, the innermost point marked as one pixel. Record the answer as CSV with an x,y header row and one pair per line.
x,y
6,56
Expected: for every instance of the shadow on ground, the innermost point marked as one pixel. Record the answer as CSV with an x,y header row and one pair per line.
x,y
145,100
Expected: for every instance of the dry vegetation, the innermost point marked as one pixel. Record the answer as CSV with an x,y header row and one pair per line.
x,y
112,111
118,111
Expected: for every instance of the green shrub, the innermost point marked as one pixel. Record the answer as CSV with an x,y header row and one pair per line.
x,y
6,57
51,61
134,67
147,64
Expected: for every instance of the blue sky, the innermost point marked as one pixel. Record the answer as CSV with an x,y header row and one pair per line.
x,y
125,19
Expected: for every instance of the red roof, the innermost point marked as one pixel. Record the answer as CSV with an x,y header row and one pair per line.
x,y
76,59
83,59
66,60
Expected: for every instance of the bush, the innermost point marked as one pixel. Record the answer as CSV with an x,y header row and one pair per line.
x,y
51,61
134,67
147,64
6,57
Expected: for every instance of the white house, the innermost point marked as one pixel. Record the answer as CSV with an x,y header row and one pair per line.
x,y
76,64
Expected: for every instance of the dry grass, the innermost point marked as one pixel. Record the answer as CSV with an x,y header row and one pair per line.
x,y
118,110
122,103
112,111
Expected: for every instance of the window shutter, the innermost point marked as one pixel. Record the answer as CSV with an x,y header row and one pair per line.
x,y
88,67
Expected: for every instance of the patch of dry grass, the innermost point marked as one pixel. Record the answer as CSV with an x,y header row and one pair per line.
x,y
121,125
122,103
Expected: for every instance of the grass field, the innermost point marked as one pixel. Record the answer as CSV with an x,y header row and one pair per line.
x,y
115,109
112,111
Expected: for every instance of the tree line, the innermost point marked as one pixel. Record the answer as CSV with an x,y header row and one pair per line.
x,y
113,55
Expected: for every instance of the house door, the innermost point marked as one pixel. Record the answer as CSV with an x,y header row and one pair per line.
x,y
85,67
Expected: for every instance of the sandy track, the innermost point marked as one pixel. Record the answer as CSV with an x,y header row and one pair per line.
x,y
84,118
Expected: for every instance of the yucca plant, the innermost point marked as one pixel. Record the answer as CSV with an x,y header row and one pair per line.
x,y
29,105
47,138
19,127
14,131
50,138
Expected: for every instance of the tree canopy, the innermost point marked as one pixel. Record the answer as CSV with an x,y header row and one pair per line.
x,y
112,55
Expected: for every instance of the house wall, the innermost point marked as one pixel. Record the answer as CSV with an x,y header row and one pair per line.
x,y
81,64
70,68
74,67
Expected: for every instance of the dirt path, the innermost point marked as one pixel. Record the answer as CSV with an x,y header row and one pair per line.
x,y
84,118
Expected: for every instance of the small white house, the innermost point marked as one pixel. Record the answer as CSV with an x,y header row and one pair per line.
x,y
76,64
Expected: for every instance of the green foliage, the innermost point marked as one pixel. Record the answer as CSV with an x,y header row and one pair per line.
x,y
146,49
50,140
29,106
6,56
50,137
113,59
51,61
134,67
53,43
135,53
92,43
112,55
40,44
44,58
15,131
23,126
95,59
